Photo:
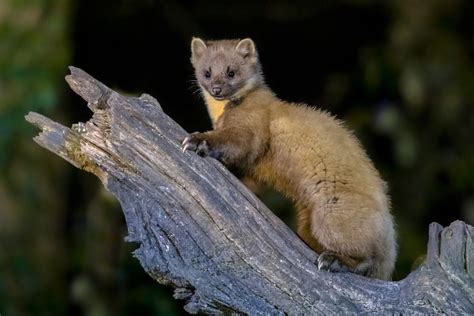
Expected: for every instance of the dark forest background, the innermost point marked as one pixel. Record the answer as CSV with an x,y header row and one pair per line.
x,y
401,73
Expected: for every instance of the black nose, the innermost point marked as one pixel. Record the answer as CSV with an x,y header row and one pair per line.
x,y
216,90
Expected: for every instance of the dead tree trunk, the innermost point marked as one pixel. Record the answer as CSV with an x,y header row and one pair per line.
x,y
201,231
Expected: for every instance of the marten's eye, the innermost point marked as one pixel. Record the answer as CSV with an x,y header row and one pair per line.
x,y
207,74
231,74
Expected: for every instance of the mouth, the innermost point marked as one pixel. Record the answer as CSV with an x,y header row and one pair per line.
x,y
218,97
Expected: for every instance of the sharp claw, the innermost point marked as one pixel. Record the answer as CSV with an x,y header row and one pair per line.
x,y
185,141
185,147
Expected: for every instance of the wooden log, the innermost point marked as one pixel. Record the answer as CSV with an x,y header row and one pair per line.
x,y
201,231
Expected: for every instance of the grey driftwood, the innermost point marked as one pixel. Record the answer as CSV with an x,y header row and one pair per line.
x,y
201,231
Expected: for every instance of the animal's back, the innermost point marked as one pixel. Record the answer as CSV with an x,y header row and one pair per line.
x,y
341,199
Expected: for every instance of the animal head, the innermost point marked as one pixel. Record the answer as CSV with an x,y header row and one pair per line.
x,y
226,69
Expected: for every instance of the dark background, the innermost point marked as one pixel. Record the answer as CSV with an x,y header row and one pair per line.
x,y
400,73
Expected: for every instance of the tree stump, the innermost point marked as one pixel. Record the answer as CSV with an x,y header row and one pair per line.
x,y
201,231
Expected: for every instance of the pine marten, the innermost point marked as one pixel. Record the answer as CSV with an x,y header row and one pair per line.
x,y
342,205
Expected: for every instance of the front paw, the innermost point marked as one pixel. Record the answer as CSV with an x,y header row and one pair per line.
x,y
196,143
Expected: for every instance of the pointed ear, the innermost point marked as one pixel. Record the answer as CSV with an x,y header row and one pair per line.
x,y
197,48
246,48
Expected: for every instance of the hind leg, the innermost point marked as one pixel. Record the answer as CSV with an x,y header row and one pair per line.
x,y
328,260
352,232
346,241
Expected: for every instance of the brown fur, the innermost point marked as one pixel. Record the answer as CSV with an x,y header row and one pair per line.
x,y
343,208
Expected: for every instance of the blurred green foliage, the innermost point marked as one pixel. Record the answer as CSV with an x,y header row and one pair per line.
x,y
34,50
401,73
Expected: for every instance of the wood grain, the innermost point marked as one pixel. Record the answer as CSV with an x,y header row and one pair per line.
x,y
201,231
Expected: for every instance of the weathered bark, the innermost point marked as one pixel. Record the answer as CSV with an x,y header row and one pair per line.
x,y
201,231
